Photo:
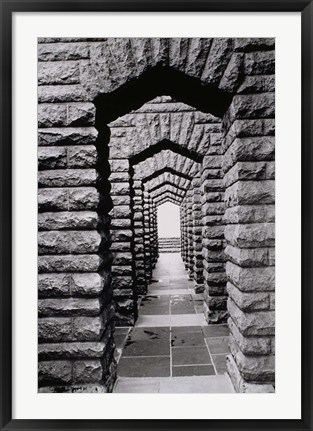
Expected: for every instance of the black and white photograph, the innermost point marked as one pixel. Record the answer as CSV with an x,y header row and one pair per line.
x,y
156,215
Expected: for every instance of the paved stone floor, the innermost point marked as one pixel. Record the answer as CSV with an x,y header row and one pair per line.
x,y
171,345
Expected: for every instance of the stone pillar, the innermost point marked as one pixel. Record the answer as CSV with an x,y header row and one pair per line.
x,y
139,257
197,236
250,231
122,234
189,222
154,234
213,208
147,247
75,325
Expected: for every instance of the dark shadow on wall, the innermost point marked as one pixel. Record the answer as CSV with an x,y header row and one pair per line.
x,y
160,81
165,144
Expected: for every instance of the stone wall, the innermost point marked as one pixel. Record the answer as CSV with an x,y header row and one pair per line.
x,y
124,126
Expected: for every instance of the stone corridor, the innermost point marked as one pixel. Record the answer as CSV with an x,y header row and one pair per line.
x,y
171,344
125,125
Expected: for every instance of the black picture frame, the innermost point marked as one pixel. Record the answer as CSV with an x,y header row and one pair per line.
x,y
7,9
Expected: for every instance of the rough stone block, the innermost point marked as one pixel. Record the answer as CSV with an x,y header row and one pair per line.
x,y
52,158
62,93
250,214
74,350
62,51
52,199
54,373
68,263
69,307
253,368
76,220
52,115
87,371
248,150
251,235
248,257
241,385
55,242
245,171
256,323
249,301
81,114
82,156
259,63
251,279
67,178
67,136
54,329
250,192
58,72
250,345
83,198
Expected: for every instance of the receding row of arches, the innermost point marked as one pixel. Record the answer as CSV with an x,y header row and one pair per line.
x,y
166,136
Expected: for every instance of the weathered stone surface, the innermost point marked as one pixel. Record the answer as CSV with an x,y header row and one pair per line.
x,y
52,199
249,149
87,371
249,257
67,178
61,93
250,214
248,44
257,84
249,301
251,279
250,345
52,158
245,171
253,368
54,329
52,115
251,235
55,242
54,372
243,386
250,192
83,198
259,63
68,263
252,324
67,136
80,114
58,72
68,220
69,307
62,51
82,156
71,350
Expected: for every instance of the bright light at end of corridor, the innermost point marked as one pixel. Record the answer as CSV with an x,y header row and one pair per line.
x,y
168,220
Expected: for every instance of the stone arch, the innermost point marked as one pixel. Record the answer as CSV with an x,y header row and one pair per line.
x,y
165,145
166,183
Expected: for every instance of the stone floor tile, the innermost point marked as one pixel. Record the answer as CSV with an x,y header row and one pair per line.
x,y
185,329
190,356
171,320
218,345
187,339
215,330
193,370
120,340
219,362
144,367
